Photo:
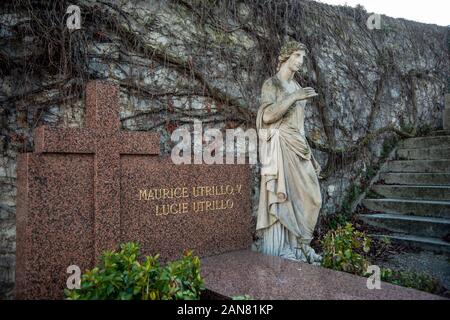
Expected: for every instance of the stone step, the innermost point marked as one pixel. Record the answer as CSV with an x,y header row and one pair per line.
x,y
425,243
423,166
423,153
424,208
426,142
415,178
440,133
397,191
265,277
412,225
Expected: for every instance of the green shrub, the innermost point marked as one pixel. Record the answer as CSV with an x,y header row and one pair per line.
x,y
417,280
344,249
120,276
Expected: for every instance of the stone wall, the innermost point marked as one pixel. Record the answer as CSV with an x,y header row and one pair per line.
x,y
176,61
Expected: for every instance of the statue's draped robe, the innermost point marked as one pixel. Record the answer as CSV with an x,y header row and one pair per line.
x,y
290,198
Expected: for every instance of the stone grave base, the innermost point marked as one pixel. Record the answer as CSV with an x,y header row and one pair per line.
x,y
265,277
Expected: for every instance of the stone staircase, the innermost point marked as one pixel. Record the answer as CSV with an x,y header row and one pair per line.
x,y
413,202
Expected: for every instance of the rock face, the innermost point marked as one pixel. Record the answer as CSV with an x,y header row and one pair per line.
x,y
176,61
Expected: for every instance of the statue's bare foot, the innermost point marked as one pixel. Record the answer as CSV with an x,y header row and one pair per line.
x,y
310,255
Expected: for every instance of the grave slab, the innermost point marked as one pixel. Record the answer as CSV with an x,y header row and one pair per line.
x,y
264,277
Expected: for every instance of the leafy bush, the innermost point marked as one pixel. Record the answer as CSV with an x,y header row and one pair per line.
x,y
120,276
410,279
344,249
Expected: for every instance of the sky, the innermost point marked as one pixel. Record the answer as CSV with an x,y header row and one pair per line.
x,y
426,11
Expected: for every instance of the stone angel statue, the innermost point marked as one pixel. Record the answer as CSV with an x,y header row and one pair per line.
x,y
290,198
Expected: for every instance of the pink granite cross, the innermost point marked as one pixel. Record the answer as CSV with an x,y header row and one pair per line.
x,y
103,138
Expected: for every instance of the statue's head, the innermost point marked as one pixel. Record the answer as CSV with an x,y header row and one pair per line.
x,y
292,54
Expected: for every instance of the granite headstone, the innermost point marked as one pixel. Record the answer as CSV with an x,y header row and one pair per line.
x,y
84,191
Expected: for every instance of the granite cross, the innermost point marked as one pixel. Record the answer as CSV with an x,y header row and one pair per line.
x,y
102,137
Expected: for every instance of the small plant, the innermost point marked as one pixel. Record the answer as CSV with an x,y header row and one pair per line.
x,y
406,127
388,145
244,297
371,172
120,276
417,280
344,249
